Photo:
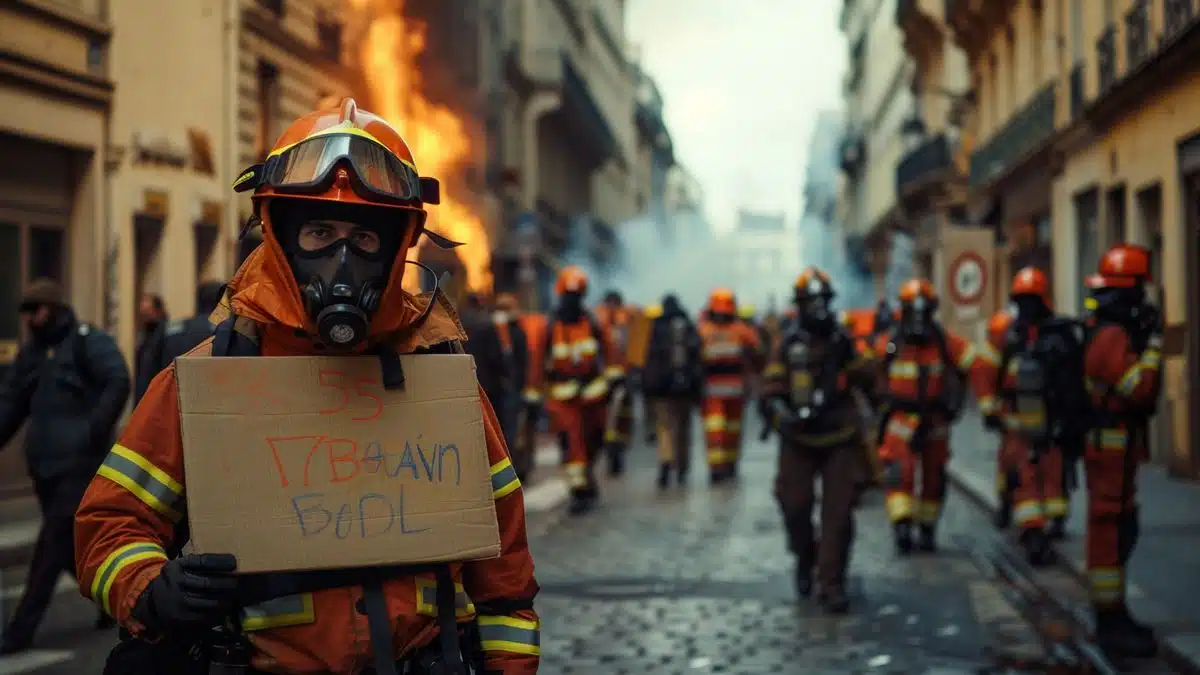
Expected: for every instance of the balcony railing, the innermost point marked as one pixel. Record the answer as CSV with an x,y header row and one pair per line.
x,y
1106,58
926,161
1078,90
1137,34
1023,134
1176,16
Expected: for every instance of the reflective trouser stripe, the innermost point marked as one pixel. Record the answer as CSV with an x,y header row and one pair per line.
x,y
289,610
1107,585
116,561
725,390
1057,507
899,506
577,475
717,456
1028,513
510,634
929,511
504,479
150,484
716,422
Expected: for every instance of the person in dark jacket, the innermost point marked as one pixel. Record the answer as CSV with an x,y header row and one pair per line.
x,y
673,381
70,382
179,336
484,344
152,319
506,317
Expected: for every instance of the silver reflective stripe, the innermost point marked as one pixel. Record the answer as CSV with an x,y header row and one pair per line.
x,y
509,634
725,390
289,610
721,350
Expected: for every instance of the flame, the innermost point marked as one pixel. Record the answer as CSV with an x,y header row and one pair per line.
x,y
440,142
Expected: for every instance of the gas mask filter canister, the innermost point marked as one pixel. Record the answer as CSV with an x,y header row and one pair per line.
x,y
342,288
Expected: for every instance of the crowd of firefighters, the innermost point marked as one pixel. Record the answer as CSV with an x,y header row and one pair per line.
x,y
868,397
341,203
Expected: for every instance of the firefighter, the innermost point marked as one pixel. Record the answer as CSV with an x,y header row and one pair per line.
x,y
578,367
616,320
345,221
515,345
1030,348
649,411
731,353
928,371
808,398
1122,364
534,325
673,383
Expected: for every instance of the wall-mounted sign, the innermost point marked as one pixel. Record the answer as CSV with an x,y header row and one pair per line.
x,y
158,150
202,154
968,278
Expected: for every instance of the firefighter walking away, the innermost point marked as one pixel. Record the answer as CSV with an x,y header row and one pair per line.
x,y
928,371
337,227
731,353
673,383
1122,368
808,399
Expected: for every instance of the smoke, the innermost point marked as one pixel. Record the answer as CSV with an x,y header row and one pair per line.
x,y
824,246
901,267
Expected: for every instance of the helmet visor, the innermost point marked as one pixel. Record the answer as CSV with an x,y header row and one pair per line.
x,y
307,166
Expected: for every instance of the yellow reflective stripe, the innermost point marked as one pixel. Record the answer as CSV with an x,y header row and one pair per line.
x,y
1107,584
987,404
986,352
289,610
560,350
532,395
613,436
714,423
577,474
1151,358
586,347
1113,439
504,479
899,506
721,456
774,370
510,634
564,391
143,480
900,429
722,350
1057,507
968,357
614,372
427,599
929,511
1026,512
1130,380
596,389
116,561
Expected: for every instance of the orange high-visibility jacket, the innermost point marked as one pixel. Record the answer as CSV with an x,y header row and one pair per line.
x,y
730,352
576,361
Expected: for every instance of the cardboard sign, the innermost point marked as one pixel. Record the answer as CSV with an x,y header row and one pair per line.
x,y
638,346
301,463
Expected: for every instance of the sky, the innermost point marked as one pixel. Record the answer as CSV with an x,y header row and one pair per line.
x,y
742,82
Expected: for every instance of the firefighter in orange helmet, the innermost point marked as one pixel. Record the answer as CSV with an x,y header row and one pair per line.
x,y
577,368
808,397
731,352
928,372
1122,368
616,320
340,204
1030,347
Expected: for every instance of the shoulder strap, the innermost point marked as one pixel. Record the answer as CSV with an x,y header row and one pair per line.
x,y
79,349
227,341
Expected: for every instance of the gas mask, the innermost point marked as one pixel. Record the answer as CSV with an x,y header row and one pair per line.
x,y
1029,309
916,319
570,305
721,317
1118,305
342,286
815,313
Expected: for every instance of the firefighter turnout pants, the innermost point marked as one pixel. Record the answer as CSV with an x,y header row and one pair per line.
x,y
723,431
582,426
1112,519
839,467
1035,483
620,432
673,419
906,455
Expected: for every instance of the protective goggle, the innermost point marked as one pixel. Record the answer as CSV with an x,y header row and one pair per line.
x,y
308,167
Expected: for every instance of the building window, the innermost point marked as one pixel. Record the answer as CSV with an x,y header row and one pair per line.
x,y
1076,30
206,236
269,95
1038,47
29,250
329,34
1087,212
273,6
1011,68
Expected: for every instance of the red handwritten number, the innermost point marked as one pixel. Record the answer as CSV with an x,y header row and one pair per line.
x,y
324,382
334,379
365,393
274,443
349,456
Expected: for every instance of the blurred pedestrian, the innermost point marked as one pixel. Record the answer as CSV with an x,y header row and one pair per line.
x,y
179,336
483,343
70,383
152,317
673,381
506,317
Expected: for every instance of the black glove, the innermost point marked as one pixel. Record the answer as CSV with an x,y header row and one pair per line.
x,y
993,422
191,592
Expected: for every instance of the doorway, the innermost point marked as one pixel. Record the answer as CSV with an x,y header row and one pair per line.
x,y
1187,462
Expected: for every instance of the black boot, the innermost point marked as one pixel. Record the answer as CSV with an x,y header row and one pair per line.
x,y
581,502
804,582
928,538
1119,635
104,622
1036,544
664,476
616,460
1003,517
834,601
902,531
1058,528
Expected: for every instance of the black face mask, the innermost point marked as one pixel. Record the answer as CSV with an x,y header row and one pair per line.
x,y
721,318
916,325
1119,305
570,306
815,313
1030,309
342,286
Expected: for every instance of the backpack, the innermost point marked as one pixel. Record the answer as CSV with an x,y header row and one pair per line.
x,y
1053,364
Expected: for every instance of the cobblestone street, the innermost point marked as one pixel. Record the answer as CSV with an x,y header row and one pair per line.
x,y
698,580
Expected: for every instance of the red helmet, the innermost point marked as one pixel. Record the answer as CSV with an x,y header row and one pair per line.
x,y
914,289
571,279
1123,266
1031,281
722,301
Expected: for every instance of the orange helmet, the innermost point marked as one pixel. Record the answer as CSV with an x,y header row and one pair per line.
x,y
346,155
1123,266
999,323
813,282
722,301
1031,281
571,279
918,289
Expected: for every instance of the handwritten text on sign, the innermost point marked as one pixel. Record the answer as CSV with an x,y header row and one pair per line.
x,y
296,462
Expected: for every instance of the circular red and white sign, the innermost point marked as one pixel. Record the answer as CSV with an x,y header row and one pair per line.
x,y
968,278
